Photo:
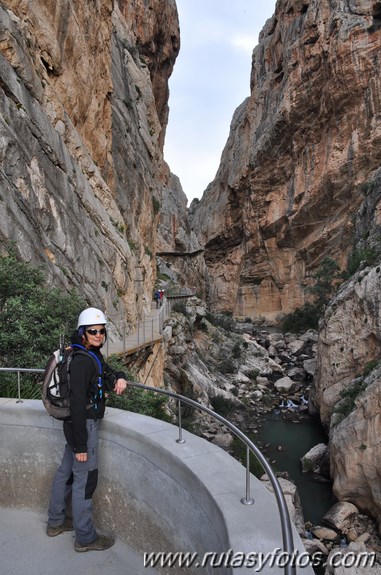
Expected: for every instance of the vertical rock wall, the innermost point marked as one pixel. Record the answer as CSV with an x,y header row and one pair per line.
x,y
83,91
299,148
348,378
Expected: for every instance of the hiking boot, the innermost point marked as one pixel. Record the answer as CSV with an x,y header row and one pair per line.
x,y
53,530
100,543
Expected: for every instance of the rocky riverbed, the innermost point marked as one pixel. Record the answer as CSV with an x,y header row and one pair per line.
x,y
244,372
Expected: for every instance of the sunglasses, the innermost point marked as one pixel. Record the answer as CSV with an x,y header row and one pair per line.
x,y
95,331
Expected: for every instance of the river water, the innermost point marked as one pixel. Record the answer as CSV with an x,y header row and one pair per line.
x,y
289,440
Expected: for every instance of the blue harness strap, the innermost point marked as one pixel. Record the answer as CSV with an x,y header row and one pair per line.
x,y
99,392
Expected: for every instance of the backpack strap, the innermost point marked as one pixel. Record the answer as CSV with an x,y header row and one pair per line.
x,y
99,390
87,351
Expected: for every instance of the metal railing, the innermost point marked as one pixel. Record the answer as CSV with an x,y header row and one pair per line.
x,y
286,527
133,338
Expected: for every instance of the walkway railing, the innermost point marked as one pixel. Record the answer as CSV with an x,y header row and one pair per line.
x,y
145,332
287,537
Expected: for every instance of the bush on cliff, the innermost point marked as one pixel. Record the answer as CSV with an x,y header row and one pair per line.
x,y
307,317
32,313
33,316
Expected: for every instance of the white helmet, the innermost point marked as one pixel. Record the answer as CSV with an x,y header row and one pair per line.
x,y
91,316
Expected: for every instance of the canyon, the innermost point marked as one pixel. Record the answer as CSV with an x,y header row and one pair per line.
x,y
85,190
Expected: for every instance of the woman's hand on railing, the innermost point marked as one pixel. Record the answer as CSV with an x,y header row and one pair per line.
x,y
120,386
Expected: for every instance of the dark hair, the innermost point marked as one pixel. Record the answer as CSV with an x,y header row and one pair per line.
x,y
82,330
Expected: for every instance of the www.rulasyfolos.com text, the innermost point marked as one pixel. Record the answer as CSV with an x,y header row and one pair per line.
x,y
258,561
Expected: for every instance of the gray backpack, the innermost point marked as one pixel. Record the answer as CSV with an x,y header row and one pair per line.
x,y
55,389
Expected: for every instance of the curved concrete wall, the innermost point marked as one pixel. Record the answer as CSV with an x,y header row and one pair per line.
x,y
154,493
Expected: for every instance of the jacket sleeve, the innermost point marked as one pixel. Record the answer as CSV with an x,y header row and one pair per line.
x,y
81,374
111,376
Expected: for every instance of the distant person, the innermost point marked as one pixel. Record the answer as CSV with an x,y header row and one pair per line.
x,y
156,297
161,297
78,473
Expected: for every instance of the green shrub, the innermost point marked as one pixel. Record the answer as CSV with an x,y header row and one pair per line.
x,y
348,397
141,401
34,316
180,307
137,399
370,366
252,374
236,351
223,320
303,318
226,366
326,278
239,450
155,205
307,316
221,405
355,259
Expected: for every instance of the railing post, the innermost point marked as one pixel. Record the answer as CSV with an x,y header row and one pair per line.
x,y
247,500
180,439
19,388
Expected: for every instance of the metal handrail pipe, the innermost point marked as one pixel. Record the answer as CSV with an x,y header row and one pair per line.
x,y
19,370
286,527
22,369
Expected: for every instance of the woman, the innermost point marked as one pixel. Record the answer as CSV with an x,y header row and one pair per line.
x,y
90,379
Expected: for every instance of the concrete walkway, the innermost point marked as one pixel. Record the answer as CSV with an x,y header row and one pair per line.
x,y
25,549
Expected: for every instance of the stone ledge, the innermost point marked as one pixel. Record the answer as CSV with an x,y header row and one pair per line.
x,y
156,494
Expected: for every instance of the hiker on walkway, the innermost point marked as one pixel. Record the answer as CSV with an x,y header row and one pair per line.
x,y
78,473
156,297
161,297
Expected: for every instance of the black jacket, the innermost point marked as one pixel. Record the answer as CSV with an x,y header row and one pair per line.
x,y
87,394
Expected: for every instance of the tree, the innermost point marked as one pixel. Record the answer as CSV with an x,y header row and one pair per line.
x,y
326,279
32,314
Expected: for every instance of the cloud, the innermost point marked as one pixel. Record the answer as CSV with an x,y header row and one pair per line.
x,y
245,42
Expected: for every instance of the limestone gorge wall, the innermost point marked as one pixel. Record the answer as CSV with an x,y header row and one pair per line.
x,y
300,148
83,114
180,257
348,379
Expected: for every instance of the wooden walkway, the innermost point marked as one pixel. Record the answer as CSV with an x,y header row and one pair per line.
x,y
146,332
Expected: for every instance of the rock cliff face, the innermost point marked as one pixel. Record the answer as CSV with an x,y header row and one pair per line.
x,y
180,255
355,451
84,91
300,148
350,331
348,377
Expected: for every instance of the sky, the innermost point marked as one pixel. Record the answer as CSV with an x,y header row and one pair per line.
x,y
211,78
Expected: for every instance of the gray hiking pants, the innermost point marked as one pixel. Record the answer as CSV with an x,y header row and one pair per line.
x,y
78,479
